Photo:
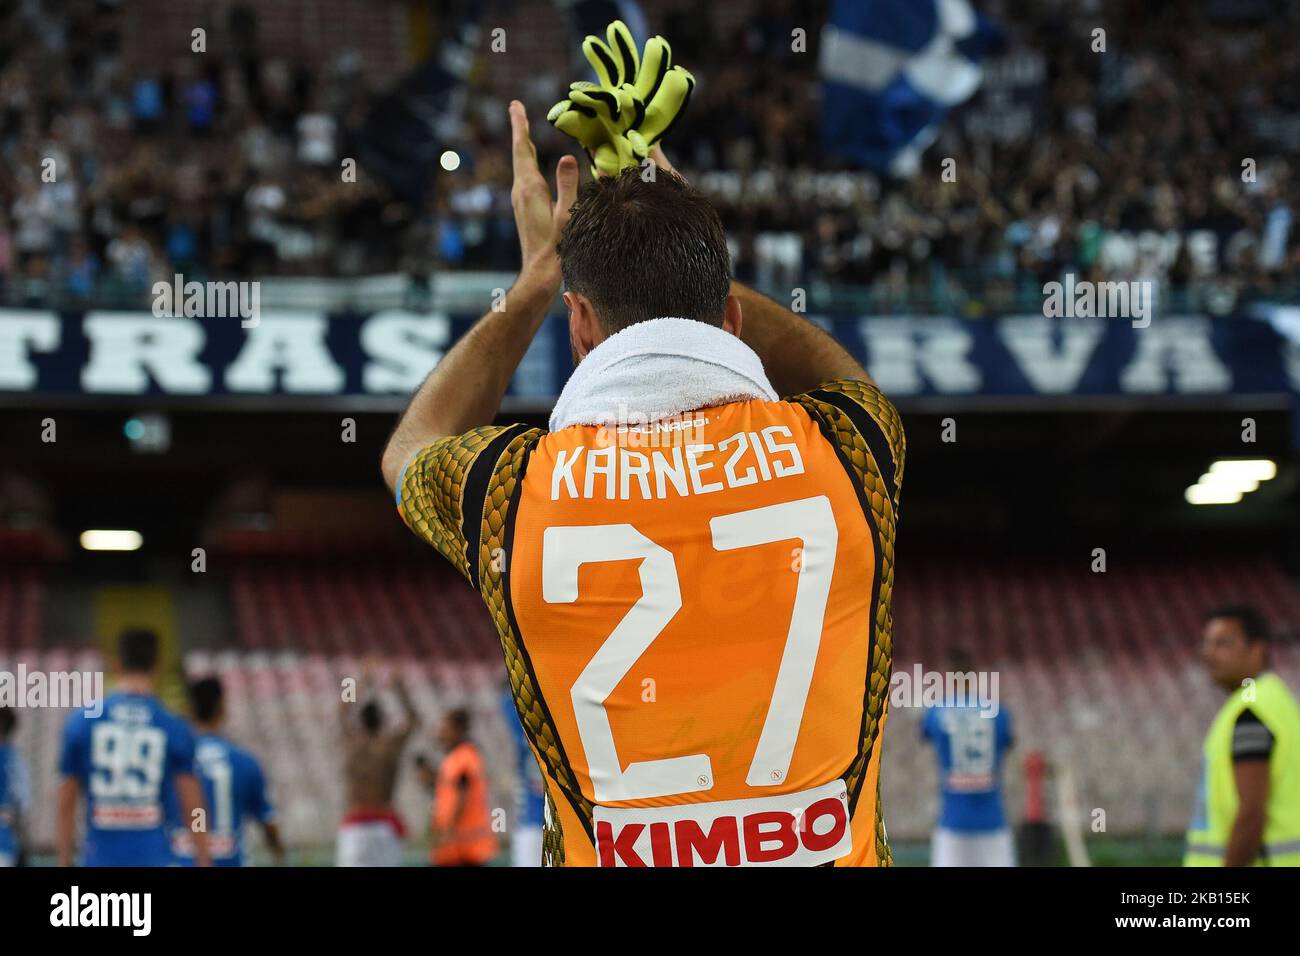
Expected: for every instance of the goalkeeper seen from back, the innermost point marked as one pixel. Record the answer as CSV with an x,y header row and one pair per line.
x,y
690,576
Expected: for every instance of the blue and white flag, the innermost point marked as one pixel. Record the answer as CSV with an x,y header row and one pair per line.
x,y
892,69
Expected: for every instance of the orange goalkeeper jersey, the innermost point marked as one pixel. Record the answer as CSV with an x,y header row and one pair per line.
x,y
696,621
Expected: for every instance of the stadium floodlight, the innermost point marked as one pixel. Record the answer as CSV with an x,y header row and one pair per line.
x,y
1230,480
1254,469
1199,494
108,539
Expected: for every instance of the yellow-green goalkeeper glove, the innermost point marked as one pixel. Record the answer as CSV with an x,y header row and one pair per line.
x,y
649,94
598,118
661,92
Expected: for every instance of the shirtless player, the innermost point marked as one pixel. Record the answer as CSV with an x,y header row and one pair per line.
x,y
372,833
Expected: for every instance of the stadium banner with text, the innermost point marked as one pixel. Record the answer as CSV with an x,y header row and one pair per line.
x,y
378,359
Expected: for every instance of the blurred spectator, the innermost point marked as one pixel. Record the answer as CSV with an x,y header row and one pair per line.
x,y
131,259
78,271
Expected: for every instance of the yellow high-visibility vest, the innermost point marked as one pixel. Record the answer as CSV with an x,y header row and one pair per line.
x,y
1272,702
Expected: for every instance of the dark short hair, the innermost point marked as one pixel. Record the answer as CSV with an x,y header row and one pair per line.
x,y
137,650
459,718
959,660
372,717
1252,622
645,249
206,695
8,721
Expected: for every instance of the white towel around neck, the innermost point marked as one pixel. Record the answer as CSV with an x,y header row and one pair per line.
x,y
658,369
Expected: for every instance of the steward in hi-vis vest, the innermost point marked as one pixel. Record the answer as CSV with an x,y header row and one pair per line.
x,y
1248,805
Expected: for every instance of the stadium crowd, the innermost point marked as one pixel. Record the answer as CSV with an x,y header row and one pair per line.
x,y
1173,164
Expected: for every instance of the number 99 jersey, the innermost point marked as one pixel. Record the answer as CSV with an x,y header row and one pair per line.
x,y
126,759
696,621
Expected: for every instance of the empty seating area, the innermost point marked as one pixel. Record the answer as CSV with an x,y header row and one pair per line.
x,y
20,607
407,609
23,560
1100,672
1025,610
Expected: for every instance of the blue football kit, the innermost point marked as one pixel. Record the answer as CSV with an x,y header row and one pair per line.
x,y
234,792
970,748
127,759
